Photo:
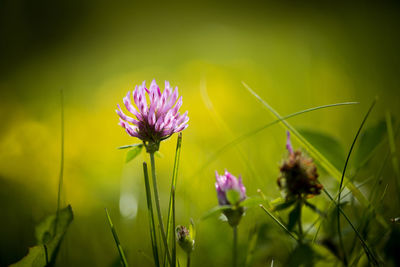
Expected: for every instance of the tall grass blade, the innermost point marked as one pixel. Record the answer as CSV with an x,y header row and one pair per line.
x,y
170,232
152,227
342,178
251,133
119,247
61,175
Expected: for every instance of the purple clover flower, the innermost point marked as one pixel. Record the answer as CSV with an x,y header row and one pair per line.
x,y
228,182
156,115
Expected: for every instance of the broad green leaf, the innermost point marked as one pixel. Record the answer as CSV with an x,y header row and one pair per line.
x,y
294,217
327,145
49,233
233,196
252,202
369,140
133,153
215,211
284,205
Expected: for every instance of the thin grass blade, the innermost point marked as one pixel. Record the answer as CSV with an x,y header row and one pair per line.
x,y
61,175
251,133
170,232
342,178
118,244
367,249
279,223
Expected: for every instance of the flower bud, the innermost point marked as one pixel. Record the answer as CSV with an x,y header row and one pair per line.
x,y
226,187
230,191
184,238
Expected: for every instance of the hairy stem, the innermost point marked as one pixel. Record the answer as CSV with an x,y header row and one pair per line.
x,y
157,200
188,260
234,255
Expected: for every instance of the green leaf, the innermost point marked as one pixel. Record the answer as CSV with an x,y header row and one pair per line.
x,y
327,145
233,196
294,217
159,154
314,208
250,202
284,205
192,229
133,153
369,140
215,211
303,255
129,146
49,233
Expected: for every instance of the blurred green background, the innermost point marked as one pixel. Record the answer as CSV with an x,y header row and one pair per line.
x,y
295,55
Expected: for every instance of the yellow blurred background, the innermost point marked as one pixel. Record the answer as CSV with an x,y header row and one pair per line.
x,y
295,56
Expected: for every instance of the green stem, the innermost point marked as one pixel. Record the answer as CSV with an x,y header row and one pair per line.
x,y
299,222
234,255
116,239
173,227
188,260
157,200
153,234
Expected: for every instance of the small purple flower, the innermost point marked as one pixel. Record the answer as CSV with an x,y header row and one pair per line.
x,y
228,182
156,115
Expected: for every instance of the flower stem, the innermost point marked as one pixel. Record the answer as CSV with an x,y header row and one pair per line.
x,y
157,200
299,222
234,256
188,260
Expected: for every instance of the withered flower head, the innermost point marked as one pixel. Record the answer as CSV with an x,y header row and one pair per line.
x,y
299,177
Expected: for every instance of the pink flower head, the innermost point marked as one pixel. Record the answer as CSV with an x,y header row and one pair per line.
x,y
228,182
155,113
